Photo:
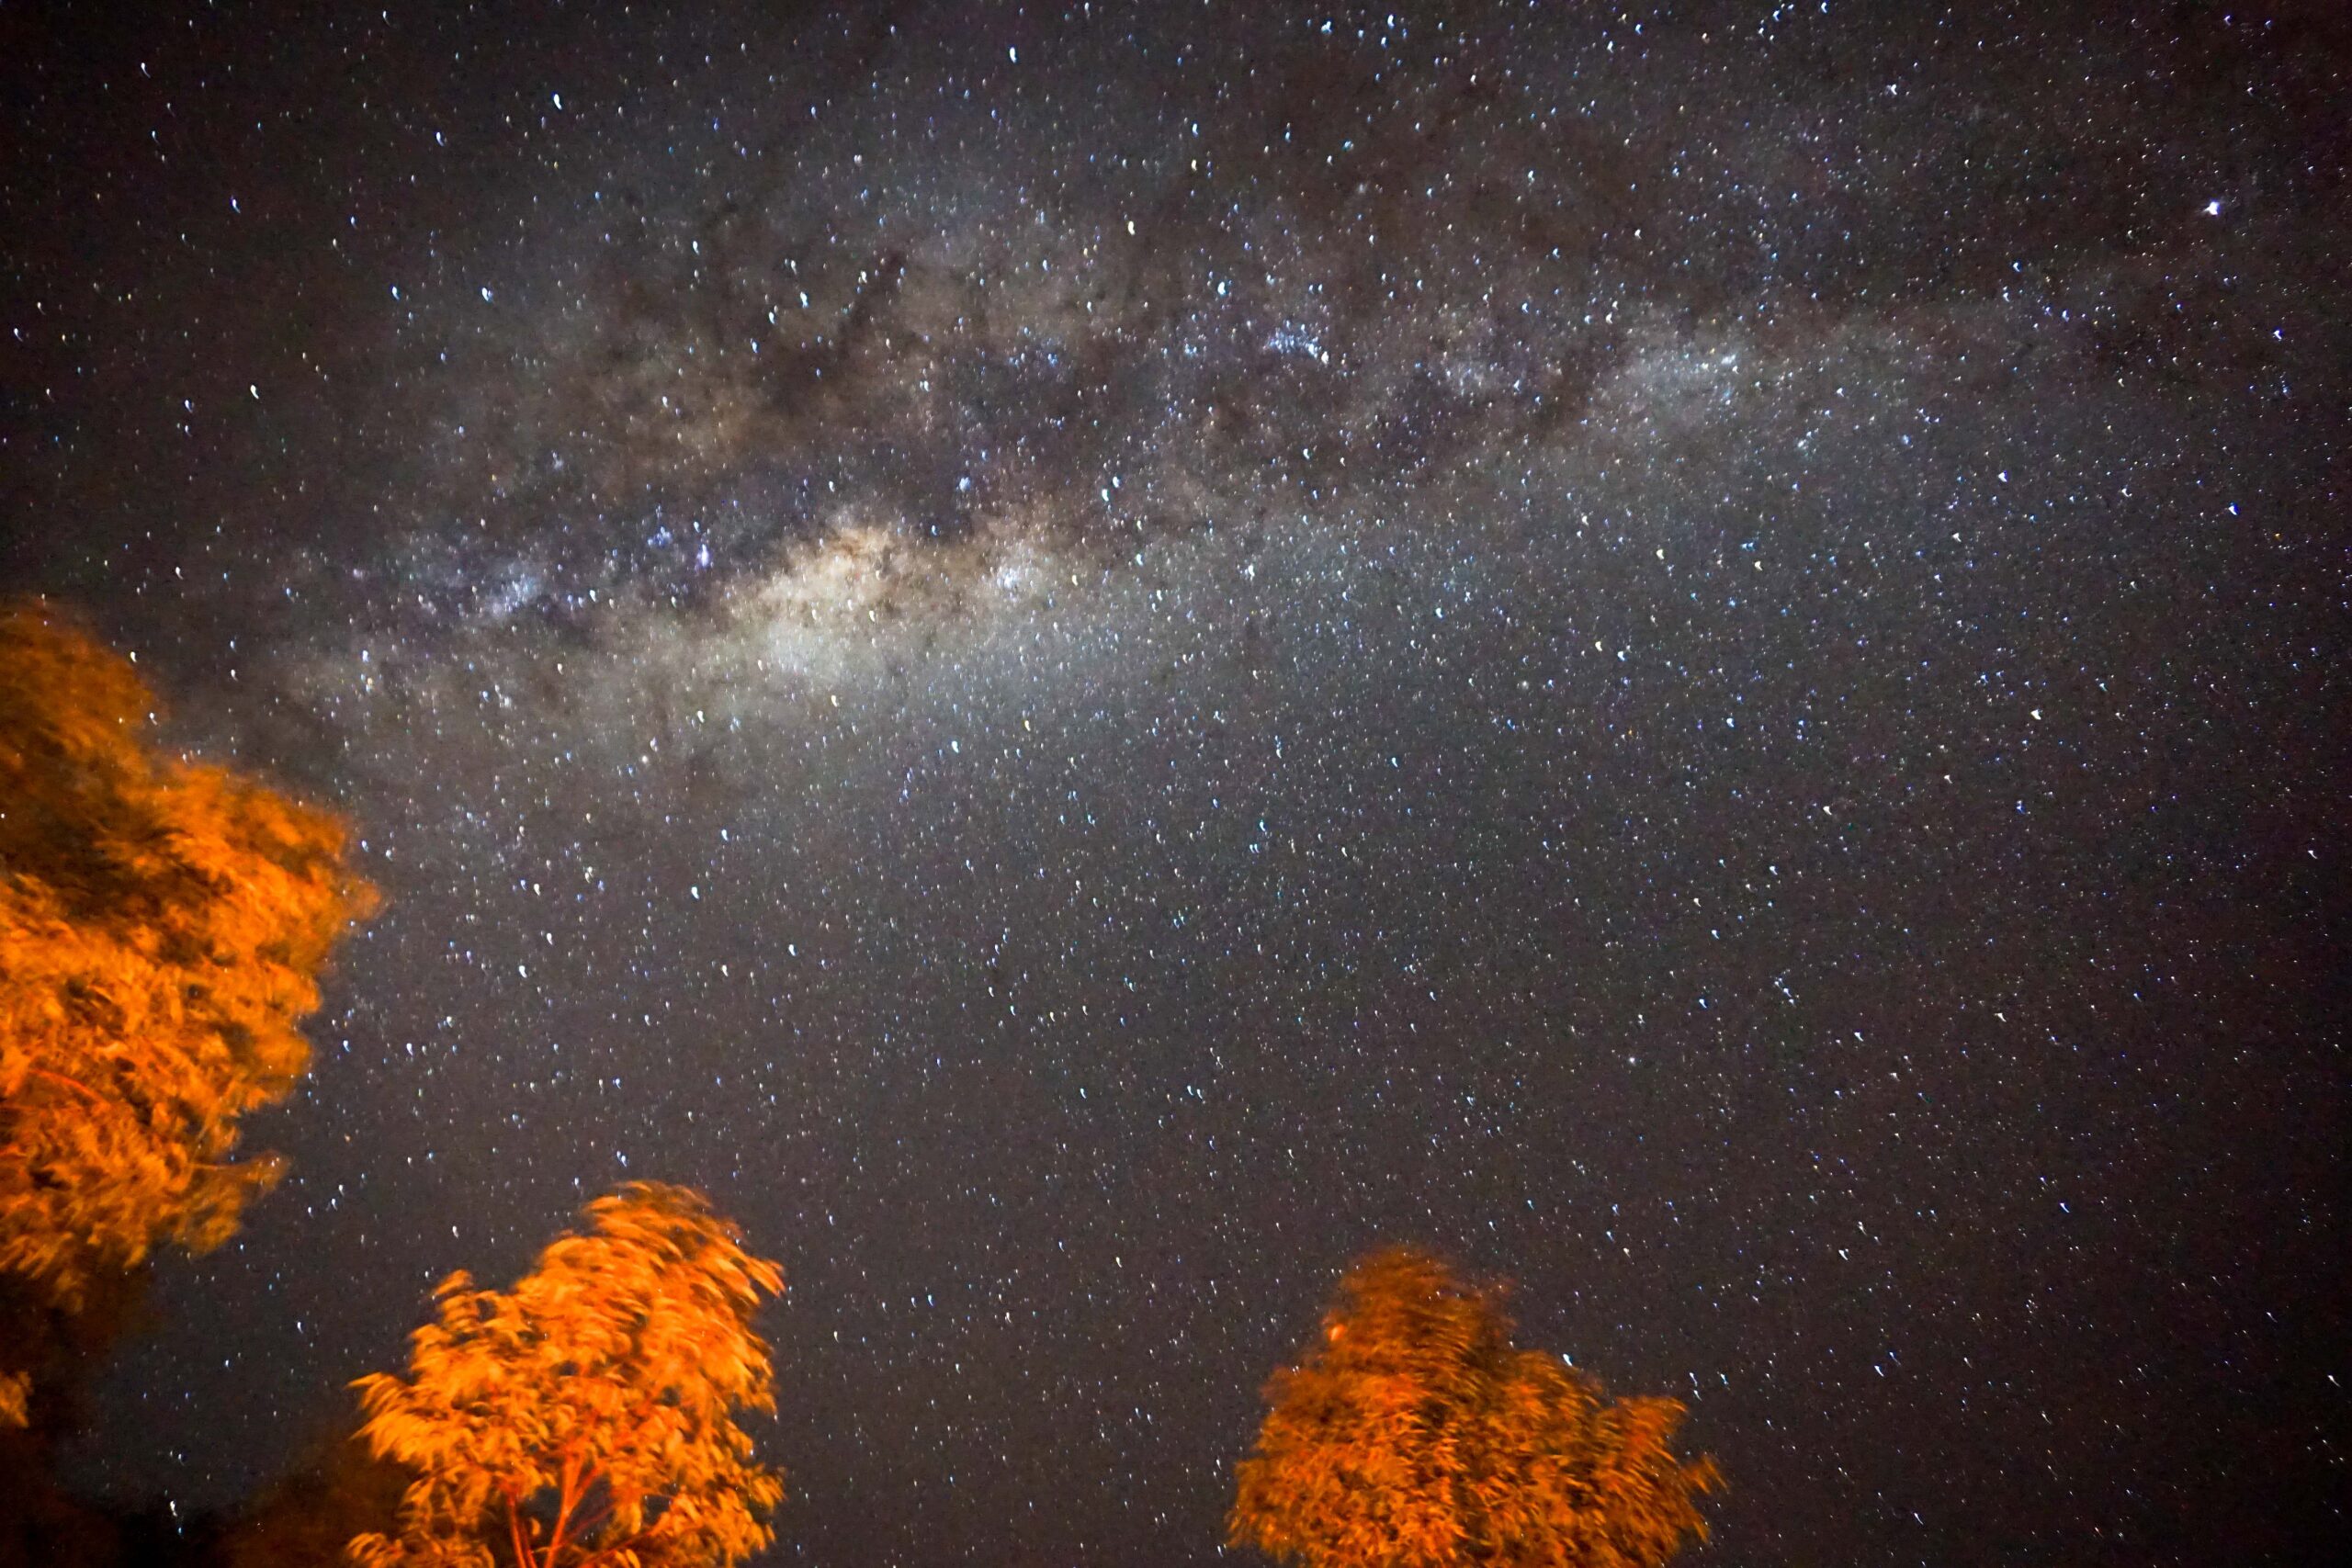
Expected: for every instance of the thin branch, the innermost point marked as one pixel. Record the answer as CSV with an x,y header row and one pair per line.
x,y
522,1558
76,1084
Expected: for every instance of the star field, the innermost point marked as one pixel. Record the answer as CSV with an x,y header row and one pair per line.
x,y
1089,659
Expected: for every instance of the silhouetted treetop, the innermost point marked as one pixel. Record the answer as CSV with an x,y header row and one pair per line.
x,y
162,929
1414,1434
587,1419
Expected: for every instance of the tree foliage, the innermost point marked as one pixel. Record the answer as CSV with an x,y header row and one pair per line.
x,y
587,1418
43,1522
304,1519
161,928
1416,1436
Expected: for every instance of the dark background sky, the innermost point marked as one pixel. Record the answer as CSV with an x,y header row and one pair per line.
x,y
1088,658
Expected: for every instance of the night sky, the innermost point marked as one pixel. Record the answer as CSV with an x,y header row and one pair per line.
x,y
1090,659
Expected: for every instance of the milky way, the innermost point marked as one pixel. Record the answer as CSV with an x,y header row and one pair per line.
x,y
1088,662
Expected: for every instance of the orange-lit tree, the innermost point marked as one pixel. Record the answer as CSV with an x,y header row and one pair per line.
x,y
1416,1436
161,928
587,1419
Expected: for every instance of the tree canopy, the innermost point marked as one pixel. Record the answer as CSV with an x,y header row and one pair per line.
x,y
1414,1434
162,929
587,1419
